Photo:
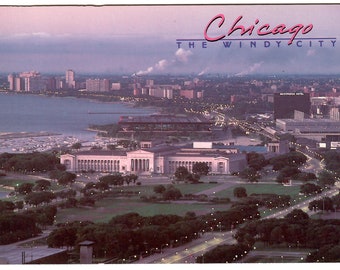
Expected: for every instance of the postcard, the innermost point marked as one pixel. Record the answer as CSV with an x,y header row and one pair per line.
x,y
169,134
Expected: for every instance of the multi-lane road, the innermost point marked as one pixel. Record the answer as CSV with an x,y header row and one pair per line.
x,y
189,252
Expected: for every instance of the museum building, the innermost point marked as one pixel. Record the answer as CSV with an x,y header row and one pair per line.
x,y
157,160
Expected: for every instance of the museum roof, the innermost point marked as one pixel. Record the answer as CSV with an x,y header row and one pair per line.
x,y
98,152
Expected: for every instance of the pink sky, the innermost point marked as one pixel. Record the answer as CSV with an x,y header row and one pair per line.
x,y
129,39
150,21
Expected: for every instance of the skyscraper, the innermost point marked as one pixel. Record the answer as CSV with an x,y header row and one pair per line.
x,y
70,81
11,81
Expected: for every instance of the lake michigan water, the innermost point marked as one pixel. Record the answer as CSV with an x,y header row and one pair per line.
x,y
67,116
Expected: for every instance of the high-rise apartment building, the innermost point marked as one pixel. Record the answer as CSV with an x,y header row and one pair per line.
x,y
286,103
18,85
70,79
22,82
11,81
98,85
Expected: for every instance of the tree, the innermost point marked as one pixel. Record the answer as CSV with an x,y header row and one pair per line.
x,y
65,194
250,174
306,176
286,173
181,173
256,161
297,214
42,185
290,171
134,178
324,204
19,205
61,237
6,206
24,188
325,178
37,198
76,145
28,162
193,178
292,158
336,201
276,235
309,189
172,193
15,227
55,174
112,179
200,168
159,189
240,192
102,186
128,179
67,178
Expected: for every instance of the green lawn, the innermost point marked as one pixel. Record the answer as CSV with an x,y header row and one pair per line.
x,y
12,182
105,209
147,190
258,188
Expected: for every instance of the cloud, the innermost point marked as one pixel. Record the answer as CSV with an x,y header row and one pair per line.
x,y
180,56
183,55
250,69
161,65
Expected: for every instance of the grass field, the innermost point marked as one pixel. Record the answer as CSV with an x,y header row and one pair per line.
x,y
107,208
258,188
147,190
12,182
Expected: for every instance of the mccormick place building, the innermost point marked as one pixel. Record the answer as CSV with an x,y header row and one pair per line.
x,y
286,103
157,160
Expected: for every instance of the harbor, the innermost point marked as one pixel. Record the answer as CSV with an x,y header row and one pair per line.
x,y
25,142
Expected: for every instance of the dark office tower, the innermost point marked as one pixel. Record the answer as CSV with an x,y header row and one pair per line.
x,y
286,103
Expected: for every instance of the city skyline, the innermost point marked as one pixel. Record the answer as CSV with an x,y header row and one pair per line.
x,y
145,39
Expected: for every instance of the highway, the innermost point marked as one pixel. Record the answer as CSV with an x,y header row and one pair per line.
x,y
189,252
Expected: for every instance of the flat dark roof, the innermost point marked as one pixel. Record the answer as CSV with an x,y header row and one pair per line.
x,y
165,119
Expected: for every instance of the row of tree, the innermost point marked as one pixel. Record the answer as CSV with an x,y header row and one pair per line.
x,y
295,230
332,161
118,179
325,204
28,162
131,234
20,226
